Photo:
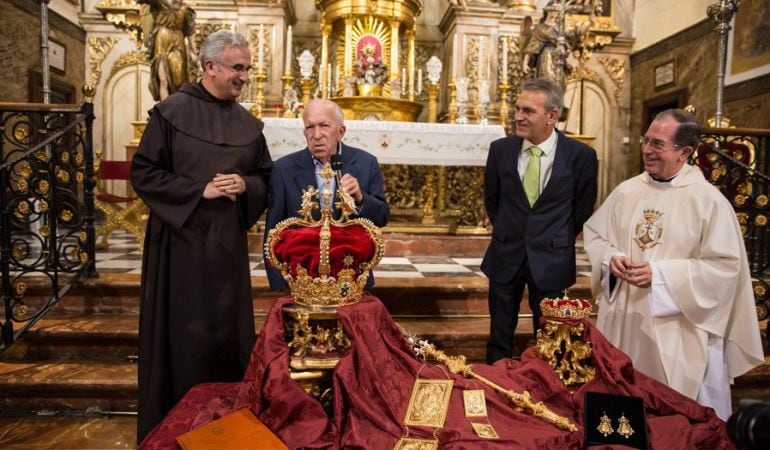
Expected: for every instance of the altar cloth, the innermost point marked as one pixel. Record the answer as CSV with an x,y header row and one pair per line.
x,y
416,143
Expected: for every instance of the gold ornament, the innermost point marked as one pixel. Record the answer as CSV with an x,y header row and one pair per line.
x,y
407,443
475,403
566,308
429,403
521,401
624,427
484,430
605,425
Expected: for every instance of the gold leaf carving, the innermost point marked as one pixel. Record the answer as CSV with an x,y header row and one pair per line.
x,y
98,49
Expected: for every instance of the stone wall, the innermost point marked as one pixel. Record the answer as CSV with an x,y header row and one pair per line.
x,y
694,53
20,50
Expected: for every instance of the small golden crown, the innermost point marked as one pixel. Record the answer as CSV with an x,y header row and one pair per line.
x,y
565,308
326,262
650,215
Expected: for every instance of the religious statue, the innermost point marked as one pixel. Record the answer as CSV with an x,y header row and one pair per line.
x,y
370,73
167,27
539,47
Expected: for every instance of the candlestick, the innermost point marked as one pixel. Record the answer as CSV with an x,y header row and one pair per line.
x,y
287,65
462,56
419,81
260,46
329,77
403,81
505,59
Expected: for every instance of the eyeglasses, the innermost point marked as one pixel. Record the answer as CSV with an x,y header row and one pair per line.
x,y
655,144
238,68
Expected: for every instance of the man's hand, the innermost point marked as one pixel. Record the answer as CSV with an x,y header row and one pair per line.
x,y
639,274
212,191
349,184
225,185
618,266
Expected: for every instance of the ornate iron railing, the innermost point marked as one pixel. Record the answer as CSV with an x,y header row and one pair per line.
x,y
737,161
46,209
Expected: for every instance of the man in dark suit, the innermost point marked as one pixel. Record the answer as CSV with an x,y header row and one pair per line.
x,y
539,188
361,176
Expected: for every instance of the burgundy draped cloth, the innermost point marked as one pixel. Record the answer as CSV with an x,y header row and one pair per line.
x,y
373,382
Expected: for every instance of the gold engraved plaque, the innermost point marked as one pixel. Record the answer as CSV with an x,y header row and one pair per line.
x,y
484,430
429,402
475,403
407,443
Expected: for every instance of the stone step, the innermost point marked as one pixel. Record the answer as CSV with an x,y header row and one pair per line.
x,y
66,386
438,296
81,364
90,431
114,338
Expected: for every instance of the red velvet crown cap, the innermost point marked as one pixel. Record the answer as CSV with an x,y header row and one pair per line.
x,y
349,247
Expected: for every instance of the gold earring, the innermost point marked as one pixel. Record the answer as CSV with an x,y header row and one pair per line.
x,y
605,425
624,427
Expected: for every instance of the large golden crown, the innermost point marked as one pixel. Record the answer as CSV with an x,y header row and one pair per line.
x,y
326,262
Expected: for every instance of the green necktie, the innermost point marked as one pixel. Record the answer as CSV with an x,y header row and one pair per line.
x,y
532,175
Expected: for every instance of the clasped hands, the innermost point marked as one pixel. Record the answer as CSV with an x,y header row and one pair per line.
x,y
636,274
224,185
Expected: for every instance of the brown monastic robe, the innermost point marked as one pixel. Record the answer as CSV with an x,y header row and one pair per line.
x,y
196,319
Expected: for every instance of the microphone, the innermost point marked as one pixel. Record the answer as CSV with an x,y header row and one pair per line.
x,y
336,163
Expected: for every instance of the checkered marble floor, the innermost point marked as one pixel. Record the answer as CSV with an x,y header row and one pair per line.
x,y
125,256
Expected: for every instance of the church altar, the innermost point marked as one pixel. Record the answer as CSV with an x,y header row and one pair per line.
x,y
413,143
434,172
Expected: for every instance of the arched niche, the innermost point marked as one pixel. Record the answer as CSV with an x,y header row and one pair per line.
x,y
126,99
591,115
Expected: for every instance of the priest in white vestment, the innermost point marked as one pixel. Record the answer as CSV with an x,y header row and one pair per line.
x,y
670,271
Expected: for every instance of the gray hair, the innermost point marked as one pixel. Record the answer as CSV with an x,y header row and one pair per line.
x,y
216,44
338,115
553,92
688,131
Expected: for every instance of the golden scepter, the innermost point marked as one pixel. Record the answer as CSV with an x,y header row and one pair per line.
x,y
522,402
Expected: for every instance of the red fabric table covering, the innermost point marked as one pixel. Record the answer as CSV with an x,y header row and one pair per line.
x,y
373,382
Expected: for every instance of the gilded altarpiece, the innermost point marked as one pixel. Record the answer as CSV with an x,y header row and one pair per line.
x,y
399,36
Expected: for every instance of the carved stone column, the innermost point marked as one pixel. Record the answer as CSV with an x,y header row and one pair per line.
x,y
322,81
348,67
410,63
394,24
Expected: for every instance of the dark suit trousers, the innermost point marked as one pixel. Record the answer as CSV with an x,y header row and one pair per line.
x,y
504,306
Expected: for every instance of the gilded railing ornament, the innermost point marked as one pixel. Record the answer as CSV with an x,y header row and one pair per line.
x,y
522,401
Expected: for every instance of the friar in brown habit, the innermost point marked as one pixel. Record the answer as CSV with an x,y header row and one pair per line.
x,y
203,168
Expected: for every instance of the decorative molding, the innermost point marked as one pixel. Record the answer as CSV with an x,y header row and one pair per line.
x,y
129,59
616,69
584,73
98,49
